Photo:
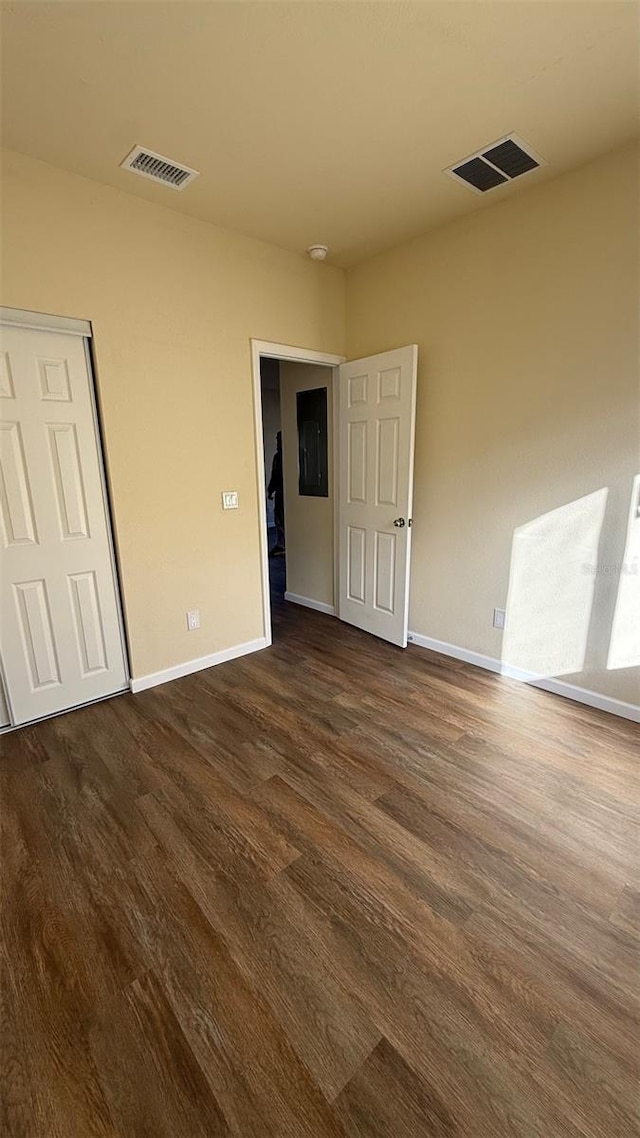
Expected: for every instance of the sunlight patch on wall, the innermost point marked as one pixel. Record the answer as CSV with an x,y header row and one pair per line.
x,y
624,648
551,588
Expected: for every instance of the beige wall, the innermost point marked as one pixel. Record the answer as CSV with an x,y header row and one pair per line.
x,y
173,303
308,521
526,316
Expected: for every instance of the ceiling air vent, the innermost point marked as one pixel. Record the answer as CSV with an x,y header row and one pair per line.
x,y
495,165
158,168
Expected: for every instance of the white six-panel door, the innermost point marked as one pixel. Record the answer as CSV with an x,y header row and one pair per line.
x,y
376,429
60,639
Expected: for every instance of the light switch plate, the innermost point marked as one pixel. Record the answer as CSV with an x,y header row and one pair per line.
x,y
229,499
499,618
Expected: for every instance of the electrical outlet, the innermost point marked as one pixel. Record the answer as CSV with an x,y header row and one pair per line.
x,y
193,619
499,618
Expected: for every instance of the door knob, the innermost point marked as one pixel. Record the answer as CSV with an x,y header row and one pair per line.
x,y
399,522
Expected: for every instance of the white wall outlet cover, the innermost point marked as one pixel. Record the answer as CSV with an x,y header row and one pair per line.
x,y
229,499
499,618
193,619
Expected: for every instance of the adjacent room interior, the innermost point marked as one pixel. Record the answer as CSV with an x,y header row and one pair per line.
x,y
296,415
319,773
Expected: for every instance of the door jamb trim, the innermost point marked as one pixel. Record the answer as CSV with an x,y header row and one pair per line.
x,y
107,500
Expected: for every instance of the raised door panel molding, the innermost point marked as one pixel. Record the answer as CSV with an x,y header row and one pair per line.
x,y
88,621
69,485
356,571
388,384
357,390
34,619
7,390
54,380
16,506
387,461
357,461
385,572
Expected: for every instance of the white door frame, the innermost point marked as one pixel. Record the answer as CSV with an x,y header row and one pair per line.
x,y
267,349
107,497
41,321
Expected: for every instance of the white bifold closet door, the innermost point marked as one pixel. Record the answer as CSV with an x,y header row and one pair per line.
x,y
60,636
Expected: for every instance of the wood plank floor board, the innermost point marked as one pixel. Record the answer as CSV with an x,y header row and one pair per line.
x,y
50,1083
191,1108
364,893
330,890
215,726
195,785
505,879
386,1097
433,1024
384,840
626,913
49,992
230,1028
347,760
529,797
288,965
522,959
439,820
593,1082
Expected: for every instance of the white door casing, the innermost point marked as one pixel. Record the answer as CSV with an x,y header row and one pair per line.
x,y
376,429
60,637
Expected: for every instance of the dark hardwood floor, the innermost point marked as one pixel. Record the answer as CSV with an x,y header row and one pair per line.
x,y
333,889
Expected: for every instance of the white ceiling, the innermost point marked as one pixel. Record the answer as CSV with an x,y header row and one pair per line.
x,y
318,121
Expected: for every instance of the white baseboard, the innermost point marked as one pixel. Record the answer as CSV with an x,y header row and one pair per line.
x,y
154,678
488,662
309,603
547,683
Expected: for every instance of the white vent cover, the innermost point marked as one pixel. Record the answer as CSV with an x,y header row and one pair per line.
x,y
158,168
496,164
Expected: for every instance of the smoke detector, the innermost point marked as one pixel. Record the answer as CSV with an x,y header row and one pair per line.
x,y
495,165
158,168
317,252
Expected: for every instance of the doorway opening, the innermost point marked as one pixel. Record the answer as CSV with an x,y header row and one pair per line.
x,y
274,478
297,524
296,421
